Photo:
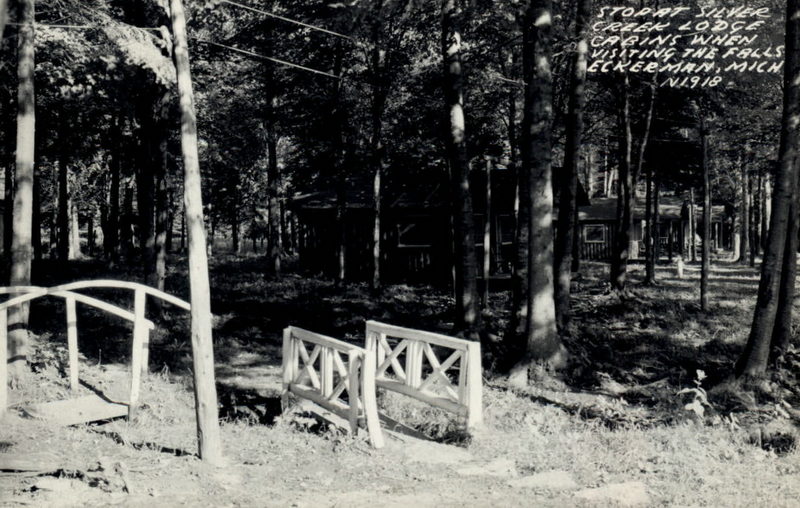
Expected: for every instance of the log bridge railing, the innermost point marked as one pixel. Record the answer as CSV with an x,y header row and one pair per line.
x,y
141,326
331,370
431,385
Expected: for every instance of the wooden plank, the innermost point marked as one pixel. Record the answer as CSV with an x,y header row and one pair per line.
x,y
433,400
323,340
86,409
30,462
408,333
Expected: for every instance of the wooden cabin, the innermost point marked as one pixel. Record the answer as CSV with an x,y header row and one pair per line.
x,y
597,225
416,243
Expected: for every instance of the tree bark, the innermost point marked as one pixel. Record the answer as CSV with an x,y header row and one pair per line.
x,y
468,316
63,194
274,239
36,231
111,234
625,183
753,361
21,249
753,233
145,191
74,231
692,227
542,340
202,344
8,212
744,211
782,333
565,234
650,235
379,94
706,253
162,209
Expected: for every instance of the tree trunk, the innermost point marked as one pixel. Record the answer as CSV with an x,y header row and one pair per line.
x,y
706,253
162,209
21,249
74,231
274,240
63,194
565,234
126,234
782,333
765,212
468,316
650,236
542,340
202,343
8,212
656,221
90,234
624,218
692,227
379,94
752,233
744,211
145,192
487,235
36,231
111,236
753,362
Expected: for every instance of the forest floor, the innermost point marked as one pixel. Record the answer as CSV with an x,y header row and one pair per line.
x,y
611,429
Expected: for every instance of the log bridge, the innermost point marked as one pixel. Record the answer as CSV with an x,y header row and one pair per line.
x,y
92,407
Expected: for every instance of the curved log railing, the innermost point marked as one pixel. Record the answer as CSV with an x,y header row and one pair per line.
x,y
325,378
141,326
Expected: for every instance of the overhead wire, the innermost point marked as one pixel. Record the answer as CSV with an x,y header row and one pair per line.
x,y
288,20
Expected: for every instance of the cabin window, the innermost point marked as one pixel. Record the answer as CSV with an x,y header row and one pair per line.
x,y
415,234
594,233
507,230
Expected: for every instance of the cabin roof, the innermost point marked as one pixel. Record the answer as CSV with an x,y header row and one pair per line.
x,y
670,208
410,195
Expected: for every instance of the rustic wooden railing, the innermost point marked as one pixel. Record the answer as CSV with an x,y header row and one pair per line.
x,y
141,326
324,378
462,395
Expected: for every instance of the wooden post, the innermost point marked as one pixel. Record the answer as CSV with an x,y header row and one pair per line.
x,y
139,310
414,363
72,343
326,371
205,390
353,363
474,387
288,361
370,401
3,361
140,333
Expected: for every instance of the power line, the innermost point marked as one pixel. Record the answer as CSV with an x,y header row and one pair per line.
x,y
287,20
264,57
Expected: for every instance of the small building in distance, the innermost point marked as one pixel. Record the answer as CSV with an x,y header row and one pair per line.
x,y
598,221
416,243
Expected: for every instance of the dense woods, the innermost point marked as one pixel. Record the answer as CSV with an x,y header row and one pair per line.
x,y
463,149
308,149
